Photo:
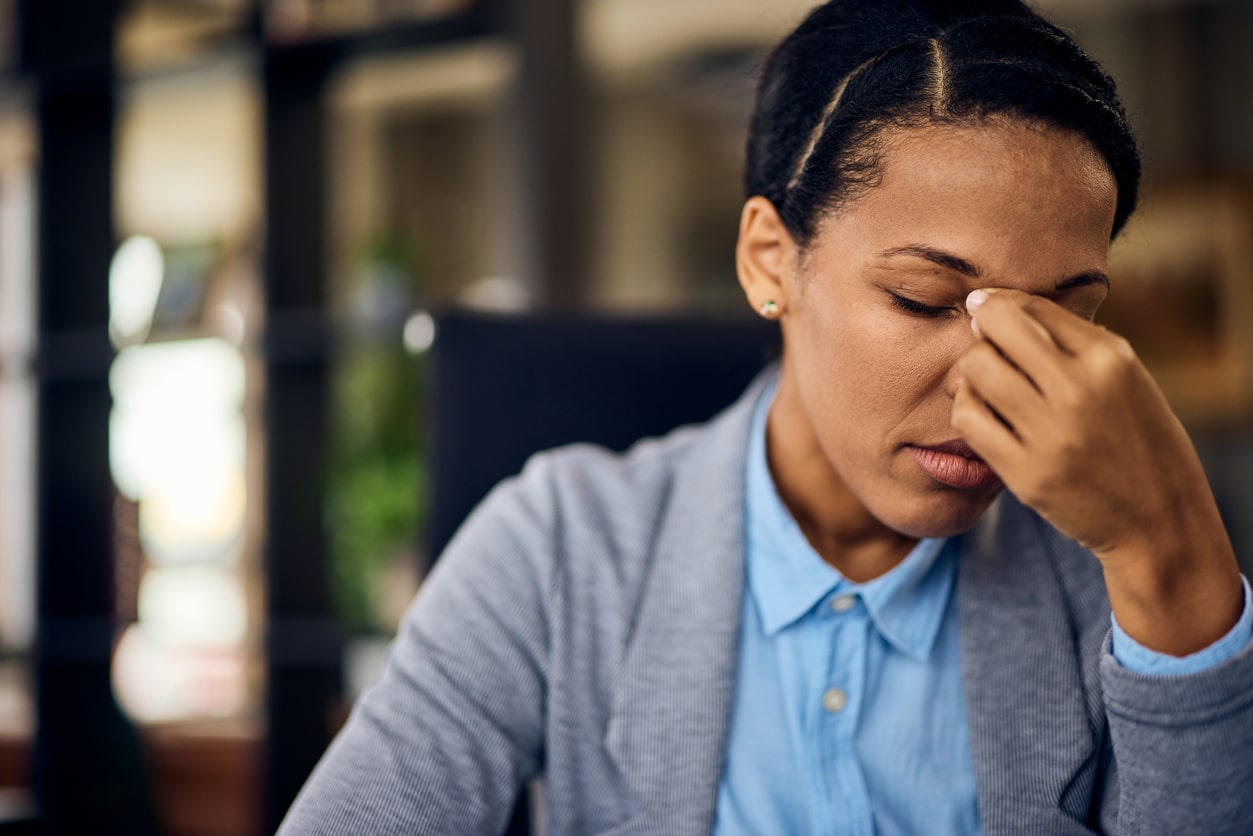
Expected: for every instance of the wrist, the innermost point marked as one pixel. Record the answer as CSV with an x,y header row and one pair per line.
x,y
1178,601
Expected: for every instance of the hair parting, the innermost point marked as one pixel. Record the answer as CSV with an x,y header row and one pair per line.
x,y
939,82
821,127
854,69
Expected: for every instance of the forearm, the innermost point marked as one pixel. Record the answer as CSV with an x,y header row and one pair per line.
x,y
1179,589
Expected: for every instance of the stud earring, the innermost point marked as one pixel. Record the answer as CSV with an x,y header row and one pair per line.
x,y
769,309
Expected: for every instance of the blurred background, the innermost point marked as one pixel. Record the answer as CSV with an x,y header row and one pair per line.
x,y
224,228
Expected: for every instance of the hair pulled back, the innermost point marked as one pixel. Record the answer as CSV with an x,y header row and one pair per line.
x,y
856,67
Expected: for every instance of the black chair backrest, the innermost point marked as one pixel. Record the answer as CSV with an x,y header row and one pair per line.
x,y
505,387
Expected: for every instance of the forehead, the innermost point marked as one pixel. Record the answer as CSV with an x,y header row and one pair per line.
x,y
1001,191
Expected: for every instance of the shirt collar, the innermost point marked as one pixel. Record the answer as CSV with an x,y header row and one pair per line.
x,y
787,579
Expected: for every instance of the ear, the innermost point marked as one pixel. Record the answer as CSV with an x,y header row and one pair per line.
x,y
764,254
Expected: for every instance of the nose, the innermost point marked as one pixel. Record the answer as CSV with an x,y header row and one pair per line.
x,y
963,339
953,381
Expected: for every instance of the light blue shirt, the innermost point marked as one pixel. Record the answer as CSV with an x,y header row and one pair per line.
x,y
848,715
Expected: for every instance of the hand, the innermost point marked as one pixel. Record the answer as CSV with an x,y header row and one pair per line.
x,y
1075,426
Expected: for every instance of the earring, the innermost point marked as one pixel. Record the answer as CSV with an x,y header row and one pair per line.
x,y
769,309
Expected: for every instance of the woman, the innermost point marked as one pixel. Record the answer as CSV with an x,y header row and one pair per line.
x,y
823,612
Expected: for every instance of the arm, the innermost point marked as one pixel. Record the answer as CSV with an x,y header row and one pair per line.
x,y
443,742
1076,428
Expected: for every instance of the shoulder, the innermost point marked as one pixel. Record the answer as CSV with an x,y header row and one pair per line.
x,y
581,495
588,484
583,499
583,524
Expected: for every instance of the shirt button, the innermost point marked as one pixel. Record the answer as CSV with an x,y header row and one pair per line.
x,y
843,603
834,700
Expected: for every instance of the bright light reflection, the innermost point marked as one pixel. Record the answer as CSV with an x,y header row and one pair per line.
x,y
134,284
192,606
497,294
157,683
177,444
419,333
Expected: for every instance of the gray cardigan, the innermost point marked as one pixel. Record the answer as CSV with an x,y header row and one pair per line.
x,y
584,622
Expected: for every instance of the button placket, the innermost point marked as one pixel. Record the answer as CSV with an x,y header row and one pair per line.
x,y
839,706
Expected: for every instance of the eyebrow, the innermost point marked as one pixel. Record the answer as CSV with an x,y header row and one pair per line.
x,y
957,264
1082,280
940,257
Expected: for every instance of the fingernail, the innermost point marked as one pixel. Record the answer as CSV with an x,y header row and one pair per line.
x,y
974,301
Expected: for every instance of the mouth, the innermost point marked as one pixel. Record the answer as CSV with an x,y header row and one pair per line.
x,y
955,465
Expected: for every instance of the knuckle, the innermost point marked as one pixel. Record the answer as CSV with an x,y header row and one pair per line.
x,y
1123,349
1110,358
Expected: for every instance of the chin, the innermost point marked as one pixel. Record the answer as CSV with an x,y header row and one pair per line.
x,y
941,513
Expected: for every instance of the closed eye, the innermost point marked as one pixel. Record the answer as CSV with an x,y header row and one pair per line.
x,y
915,307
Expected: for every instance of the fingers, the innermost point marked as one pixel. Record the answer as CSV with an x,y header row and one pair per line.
x,y
1035,335
1003,388
986,434
1041,321
1071,332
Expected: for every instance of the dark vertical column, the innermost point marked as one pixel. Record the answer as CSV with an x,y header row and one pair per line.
x,y
553,149
303,646
88,768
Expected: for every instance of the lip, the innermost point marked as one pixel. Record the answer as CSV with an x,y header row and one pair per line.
x,y
954,464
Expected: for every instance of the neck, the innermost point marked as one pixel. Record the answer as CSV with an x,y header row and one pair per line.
x,y
833,519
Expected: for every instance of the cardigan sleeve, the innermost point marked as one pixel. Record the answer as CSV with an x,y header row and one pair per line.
x,y
454,727
1183,746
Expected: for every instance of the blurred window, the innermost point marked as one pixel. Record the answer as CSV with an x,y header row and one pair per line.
x,y
185,431
178,453
17,341
17,434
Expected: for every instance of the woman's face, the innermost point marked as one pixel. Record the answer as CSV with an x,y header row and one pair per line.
x,y
874,319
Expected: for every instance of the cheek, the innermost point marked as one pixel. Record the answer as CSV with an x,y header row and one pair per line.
x,y
884,365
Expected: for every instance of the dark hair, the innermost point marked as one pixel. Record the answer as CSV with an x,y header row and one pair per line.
x,y
854,67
